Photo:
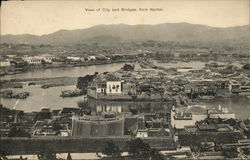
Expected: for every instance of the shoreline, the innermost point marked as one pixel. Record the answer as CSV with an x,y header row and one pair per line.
x,y
49,66
5,84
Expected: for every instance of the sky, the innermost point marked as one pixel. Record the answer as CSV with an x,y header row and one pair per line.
x,y
44,17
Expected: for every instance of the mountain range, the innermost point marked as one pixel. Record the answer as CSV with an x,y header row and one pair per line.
x,y
117,33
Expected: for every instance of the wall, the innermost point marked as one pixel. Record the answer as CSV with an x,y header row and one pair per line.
x,y
97,129
113,87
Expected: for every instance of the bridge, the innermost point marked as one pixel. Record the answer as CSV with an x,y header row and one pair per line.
x,y
35,145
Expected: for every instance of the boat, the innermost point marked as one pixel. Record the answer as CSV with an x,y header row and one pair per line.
x,y
71,93
45,86
18,86
31,83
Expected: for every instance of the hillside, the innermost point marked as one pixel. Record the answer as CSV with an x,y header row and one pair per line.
x,y
121,32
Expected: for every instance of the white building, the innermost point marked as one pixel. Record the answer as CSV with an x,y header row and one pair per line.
x,y
4,63
114,87
142,133
47,58
11,56
75,58
33,60
92,58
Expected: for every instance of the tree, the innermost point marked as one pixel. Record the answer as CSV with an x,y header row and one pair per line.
x,y
133,96
85,108
155,155
111,150
82,82
18,132
246,67
138,148
128,67
47,154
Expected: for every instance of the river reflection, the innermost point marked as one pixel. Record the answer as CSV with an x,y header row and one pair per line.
x,y
126,106
51,97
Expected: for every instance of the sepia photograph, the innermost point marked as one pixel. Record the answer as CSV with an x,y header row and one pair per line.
x,y
125,80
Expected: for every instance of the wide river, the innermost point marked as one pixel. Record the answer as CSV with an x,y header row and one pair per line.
x,y
51,97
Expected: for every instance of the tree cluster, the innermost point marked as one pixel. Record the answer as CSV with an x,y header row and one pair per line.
x,y
137,149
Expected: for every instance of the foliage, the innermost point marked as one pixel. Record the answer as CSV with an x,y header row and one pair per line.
x,y
246,67
112,150
141,150
138,148
128,67
47,154
155,155
18,132
43,115
82,82
85,108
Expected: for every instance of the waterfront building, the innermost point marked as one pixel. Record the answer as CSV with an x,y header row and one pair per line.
x,y
57,61
92,58
75,59
114,87
47,58
108,86
210,87
33,60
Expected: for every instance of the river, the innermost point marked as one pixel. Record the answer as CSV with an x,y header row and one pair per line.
x,y
51,97
65,72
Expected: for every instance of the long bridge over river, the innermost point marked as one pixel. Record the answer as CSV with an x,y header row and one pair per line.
x,y
35,145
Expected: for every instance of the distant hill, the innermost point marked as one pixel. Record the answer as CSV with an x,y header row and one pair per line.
x,y
121,32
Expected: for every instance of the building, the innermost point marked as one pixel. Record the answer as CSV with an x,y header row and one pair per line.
x,y
190,115
92,58
108,124
234,87
75,59
11,56
33,60
4,63
142,133
47,58
107,86
57,61
209,87
43,128
114,87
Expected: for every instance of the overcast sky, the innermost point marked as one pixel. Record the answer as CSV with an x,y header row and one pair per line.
x,y
44,17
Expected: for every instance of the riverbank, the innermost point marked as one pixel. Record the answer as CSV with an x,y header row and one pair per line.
x,y
31,68
62,81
